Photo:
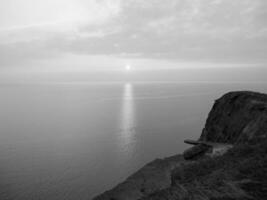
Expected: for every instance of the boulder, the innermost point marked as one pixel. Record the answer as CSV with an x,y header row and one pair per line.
x,y
196,151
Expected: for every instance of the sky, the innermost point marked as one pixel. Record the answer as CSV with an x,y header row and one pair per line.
x,y
85,36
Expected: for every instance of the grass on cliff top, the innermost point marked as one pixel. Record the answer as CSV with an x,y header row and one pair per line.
x,y
241,172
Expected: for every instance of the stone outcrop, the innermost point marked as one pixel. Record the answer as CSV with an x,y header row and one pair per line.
x,y
197,151
237,117
238,120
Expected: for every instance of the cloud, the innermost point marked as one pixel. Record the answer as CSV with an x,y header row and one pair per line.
x,y
183,30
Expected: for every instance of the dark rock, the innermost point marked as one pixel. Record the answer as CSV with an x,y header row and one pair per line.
x,y
205,148
196,151
237,117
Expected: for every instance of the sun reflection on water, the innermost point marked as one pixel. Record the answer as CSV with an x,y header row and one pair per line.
x,y
127,127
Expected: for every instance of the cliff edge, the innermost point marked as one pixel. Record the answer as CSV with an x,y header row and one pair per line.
x,y
228,161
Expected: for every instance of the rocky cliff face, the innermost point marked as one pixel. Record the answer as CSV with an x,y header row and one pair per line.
x,y
238,119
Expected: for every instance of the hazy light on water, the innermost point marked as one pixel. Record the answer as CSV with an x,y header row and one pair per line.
x,y
127,133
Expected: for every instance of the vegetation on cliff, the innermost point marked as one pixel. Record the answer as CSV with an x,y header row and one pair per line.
x,y
241,173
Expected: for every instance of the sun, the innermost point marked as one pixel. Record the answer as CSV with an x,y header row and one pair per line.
x,y
128,67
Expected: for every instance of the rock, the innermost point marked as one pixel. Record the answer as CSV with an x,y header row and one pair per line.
x,y
205,148
237,117
196,151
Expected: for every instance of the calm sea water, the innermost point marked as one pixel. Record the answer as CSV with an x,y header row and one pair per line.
x,y
73,141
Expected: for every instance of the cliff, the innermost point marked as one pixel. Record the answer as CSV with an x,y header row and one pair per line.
x,y
227,162
237,117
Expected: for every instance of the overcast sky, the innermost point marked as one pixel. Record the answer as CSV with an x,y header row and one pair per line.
x,y
69,35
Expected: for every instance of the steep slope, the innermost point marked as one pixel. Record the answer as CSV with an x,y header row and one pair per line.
x,y
153,177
